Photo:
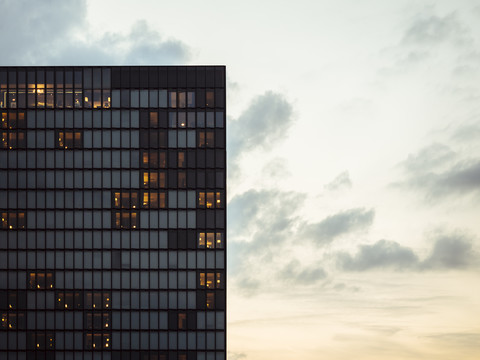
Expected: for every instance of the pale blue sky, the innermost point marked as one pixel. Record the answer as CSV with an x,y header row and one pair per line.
x,y
354,159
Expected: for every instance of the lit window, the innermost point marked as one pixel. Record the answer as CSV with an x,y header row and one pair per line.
x,y
97,99
210,98
210,242
210,204
116,200
210,300
153,200
125,200
172,99
69,139
181,159
182,321
210,280
4,120
201,199
201,240
219,240
153,119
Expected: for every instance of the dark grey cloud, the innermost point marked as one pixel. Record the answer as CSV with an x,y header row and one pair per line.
x,y
295,273
56,32
433,30
342,181
263,123
461,179
382,254
448,252
342,223
439,173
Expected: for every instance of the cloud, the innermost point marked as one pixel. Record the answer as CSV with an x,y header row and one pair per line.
x,y
344,222
260,210
433,30
56,32
294,273
382,254
261,221
448,252
428,158
467,133
342,181
236,355
439,172
261,125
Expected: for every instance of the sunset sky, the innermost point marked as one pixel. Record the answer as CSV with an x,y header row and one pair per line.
x,y
353,158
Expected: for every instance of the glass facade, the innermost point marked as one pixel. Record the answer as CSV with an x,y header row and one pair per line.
x,y
113,213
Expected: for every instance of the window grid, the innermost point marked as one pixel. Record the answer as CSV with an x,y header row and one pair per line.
x,y
77,147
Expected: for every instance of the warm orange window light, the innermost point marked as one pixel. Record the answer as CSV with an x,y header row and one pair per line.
x,y
219,240
181,159
145,199
116,200
4,120
201,240
145,179
209,139
201,199
201,139
210,300
210,203
182,321
202,279
145,161
153,200
162,202
210,242
154,119
210,280
134,200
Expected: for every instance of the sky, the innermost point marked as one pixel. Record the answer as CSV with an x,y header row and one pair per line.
x,y
353,159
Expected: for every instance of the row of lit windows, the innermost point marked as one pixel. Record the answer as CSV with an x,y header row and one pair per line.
x,y
111,139
209,280
107,239
106,320
153,179
126,199
72,301
147,300
60,98
117,220
113,355
42,119
176,199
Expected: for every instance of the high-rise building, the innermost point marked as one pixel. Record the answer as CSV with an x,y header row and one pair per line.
x,y
113,218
